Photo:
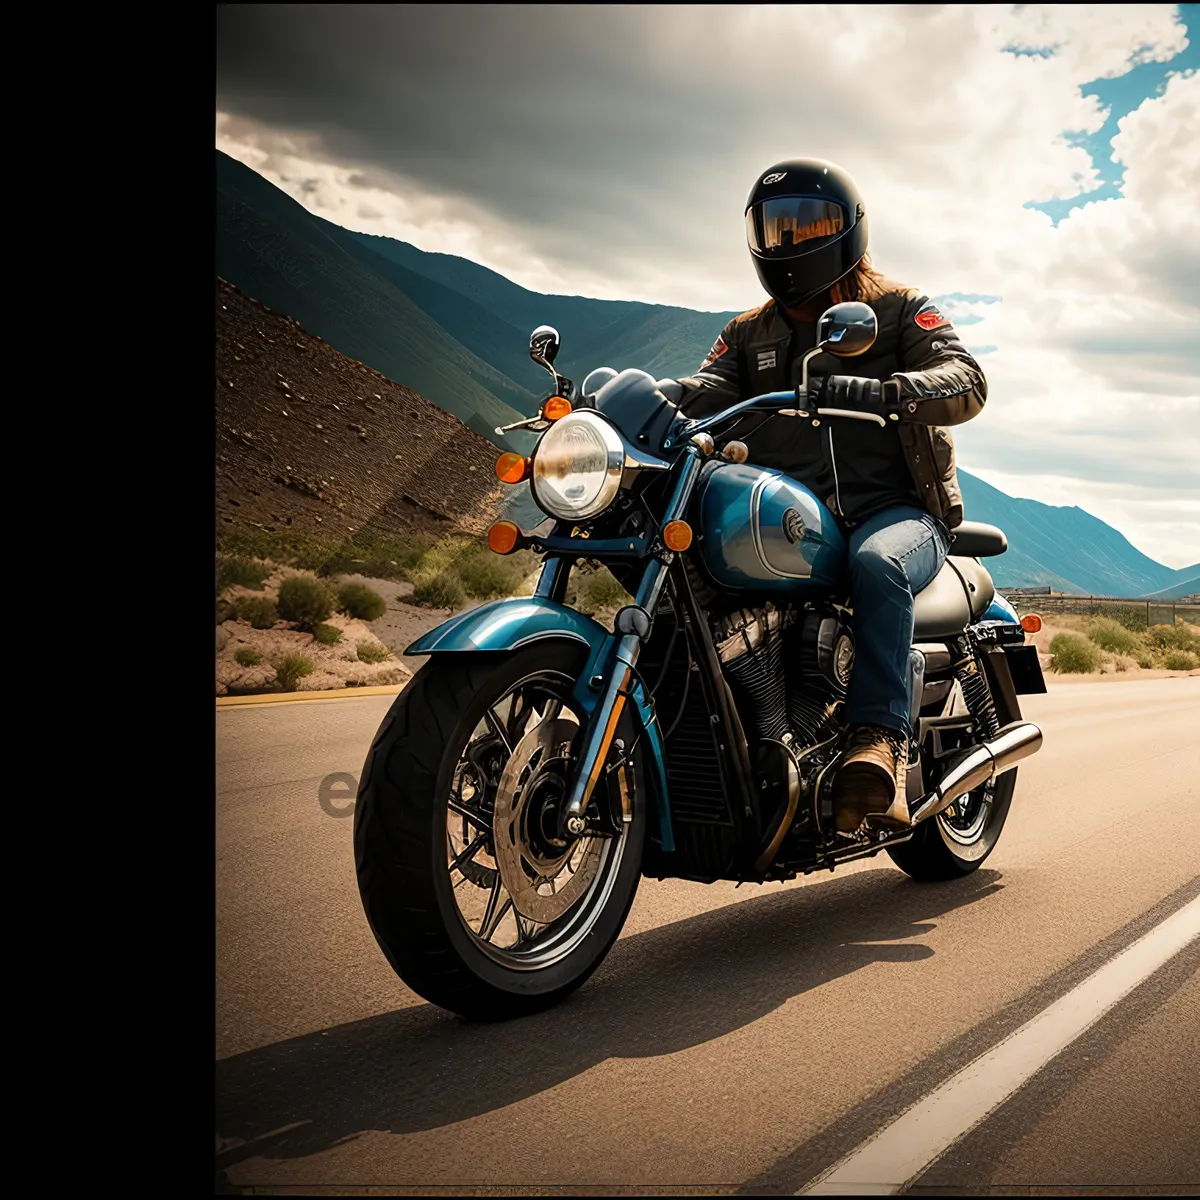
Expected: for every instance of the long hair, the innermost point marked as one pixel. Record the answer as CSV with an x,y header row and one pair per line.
x,y
862,283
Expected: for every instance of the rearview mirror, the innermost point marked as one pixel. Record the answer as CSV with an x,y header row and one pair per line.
x,y
847,329
543,346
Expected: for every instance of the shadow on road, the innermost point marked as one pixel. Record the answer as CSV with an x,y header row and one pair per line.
x,y
659,992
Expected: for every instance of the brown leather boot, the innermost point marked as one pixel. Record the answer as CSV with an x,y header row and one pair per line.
x,y
869,784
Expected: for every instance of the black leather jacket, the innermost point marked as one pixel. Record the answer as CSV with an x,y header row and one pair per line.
x,y
913,460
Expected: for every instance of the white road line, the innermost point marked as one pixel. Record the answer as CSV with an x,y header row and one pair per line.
x,y
894,1157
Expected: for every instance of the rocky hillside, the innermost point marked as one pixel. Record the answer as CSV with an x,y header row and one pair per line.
x,y
310,439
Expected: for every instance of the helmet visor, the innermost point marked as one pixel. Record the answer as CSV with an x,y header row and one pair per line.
x,y
784,226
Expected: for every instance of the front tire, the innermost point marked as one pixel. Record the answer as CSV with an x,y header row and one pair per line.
x,y
431,772
957,842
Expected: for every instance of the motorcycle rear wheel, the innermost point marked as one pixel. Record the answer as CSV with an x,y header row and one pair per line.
x,y
433,800
957,842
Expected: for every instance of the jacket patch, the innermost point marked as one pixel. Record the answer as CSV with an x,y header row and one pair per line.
x,y
718,348
930,317
766,359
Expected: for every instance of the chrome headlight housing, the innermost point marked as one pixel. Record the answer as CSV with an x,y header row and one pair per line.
x,y
577,466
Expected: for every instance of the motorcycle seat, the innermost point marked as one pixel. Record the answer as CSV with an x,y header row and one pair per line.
x,y
940,609
974,539
958,595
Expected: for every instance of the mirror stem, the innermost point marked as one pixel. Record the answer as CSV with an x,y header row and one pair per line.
x,y
804,367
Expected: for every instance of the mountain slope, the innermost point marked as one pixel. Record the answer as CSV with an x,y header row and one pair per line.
x,y
1185,587
271,248
1067,543
658,338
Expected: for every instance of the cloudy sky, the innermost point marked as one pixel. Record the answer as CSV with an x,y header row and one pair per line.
x,y
1037,166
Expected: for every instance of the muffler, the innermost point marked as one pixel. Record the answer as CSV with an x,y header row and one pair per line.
x,y
979,765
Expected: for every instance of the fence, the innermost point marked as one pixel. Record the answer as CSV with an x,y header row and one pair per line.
x,y
1156,612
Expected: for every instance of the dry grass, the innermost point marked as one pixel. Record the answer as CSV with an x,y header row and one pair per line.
x,y
1106,645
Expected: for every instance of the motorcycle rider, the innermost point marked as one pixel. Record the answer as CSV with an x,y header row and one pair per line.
x,y
893,489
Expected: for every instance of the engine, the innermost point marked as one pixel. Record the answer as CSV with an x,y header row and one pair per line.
x,y
790,668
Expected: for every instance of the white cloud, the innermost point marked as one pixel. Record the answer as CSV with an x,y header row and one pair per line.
x,y
649,137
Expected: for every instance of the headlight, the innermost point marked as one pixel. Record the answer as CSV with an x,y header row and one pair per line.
x,y
577,466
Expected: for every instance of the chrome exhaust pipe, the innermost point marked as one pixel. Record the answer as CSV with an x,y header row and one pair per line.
x,y
980,765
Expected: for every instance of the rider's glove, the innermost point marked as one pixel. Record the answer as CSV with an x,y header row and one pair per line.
x,y
855,393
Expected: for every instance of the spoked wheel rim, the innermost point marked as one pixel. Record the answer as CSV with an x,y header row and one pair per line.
x,y
525,895
966,819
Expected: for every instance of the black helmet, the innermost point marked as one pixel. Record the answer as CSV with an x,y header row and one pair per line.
x,y
806,227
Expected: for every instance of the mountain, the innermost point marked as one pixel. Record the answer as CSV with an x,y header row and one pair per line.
x,y
311,441
457,334
1067,548
451,330
274,250
1189,586
666,341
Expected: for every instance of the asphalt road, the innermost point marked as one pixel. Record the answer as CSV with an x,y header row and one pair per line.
x,y
734,1040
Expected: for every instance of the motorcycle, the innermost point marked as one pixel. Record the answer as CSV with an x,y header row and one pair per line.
x,y
538,765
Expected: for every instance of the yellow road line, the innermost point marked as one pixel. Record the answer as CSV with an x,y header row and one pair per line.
x,y
347,693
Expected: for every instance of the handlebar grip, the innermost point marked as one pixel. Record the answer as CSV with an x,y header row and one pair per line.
x,y
854,416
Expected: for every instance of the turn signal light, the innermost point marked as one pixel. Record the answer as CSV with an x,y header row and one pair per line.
x,y
677,535
502,537
555,407
1031,623
512,468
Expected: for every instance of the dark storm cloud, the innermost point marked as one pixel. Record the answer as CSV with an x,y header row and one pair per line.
x,y
532,109
574,121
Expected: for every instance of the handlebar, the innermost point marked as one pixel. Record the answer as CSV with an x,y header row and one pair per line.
x,y
779,402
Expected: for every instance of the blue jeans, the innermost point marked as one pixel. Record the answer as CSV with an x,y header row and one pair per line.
x,y
893,555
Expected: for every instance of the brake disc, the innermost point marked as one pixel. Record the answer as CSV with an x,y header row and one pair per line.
x,y
530,856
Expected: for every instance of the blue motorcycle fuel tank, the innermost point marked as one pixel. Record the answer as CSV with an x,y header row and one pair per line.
x,y
763,531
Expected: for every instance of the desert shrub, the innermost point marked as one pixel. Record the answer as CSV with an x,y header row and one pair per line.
x,y
379,555
1174,637
443,590
327,635
286,546
358,600
289,671
372,652
259,611
244,572
595,590
1181,660
1133,619
486,574
247,657
304,600
1074,655
481,573
441,556
1114,637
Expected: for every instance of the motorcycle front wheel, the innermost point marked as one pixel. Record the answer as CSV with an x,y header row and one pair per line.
x,y
477,902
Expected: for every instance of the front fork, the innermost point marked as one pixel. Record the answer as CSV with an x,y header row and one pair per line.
x,y
610,671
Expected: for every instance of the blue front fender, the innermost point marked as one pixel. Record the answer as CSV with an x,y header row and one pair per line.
x,y
508,625
511,624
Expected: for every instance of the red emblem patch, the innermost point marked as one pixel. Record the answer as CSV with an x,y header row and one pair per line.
x,y
930,317
718,348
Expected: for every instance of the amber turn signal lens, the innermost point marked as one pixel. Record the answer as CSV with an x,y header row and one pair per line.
x,y
1031,623
512,468
502,537
677,535
555,408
